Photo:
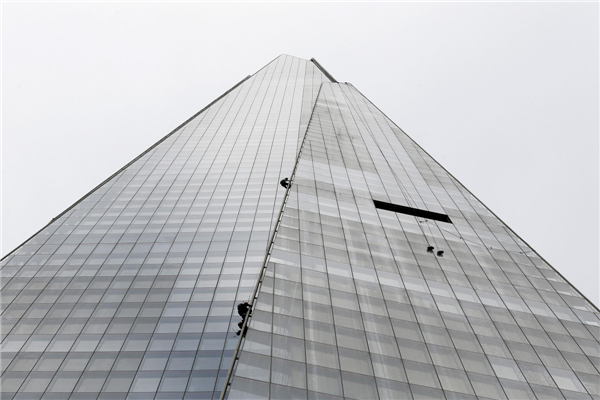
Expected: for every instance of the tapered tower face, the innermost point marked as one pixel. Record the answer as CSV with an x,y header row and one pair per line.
x,y
373,275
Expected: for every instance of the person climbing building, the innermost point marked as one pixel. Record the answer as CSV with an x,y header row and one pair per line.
x,y
243,309
285,183
240,324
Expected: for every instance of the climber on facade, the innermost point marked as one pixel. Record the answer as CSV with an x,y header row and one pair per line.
x,y
243,309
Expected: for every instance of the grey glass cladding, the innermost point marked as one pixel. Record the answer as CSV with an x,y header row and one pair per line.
x,y
353,305
132,292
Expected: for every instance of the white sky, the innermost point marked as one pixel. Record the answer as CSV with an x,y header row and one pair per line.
x,y
504,95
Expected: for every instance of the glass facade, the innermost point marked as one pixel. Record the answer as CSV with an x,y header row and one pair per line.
x,y
132,293
353,305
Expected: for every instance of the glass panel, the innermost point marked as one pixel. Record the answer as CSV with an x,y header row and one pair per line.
x,y
355,361
393,390
566,380
202,381
246,389
288,373
454,380
254,366
146,382
507,369
324,380
358,386
536,374
444,356
286,392
486,386
517,390
421,374
322,355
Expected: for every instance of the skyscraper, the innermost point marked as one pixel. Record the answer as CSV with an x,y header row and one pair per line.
x,y
375,274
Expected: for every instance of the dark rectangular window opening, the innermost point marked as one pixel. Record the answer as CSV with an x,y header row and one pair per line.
x,y
412,211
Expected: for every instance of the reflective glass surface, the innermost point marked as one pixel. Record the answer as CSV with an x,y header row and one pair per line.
x,y
353,305
132,293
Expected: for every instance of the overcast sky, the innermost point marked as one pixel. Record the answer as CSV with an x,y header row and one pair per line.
x,y
503,95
